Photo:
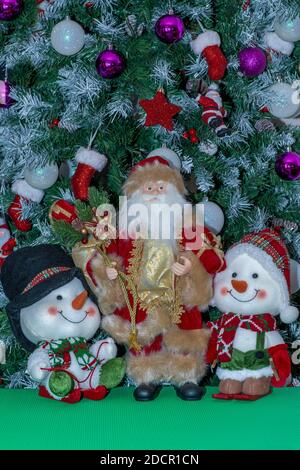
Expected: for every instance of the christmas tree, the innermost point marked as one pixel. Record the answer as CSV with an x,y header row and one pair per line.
x,y
212,77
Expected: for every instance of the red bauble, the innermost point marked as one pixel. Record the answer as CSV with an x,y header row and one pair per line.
x,y
160,111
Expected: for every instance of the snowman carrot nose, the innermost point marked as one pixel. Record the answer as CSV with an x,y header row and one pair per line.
x,y
79,301
240,286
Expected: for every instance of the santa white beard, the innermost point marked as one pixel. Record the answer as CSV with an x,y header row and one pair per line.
x,y
153,217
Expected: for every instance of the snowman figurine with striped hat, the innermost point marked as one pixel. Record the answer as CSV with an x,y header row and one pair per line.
x,y
254,288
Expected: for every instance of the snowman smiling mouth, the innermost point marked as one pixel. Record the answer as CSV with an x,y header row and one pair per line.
x,y
249,300
71,321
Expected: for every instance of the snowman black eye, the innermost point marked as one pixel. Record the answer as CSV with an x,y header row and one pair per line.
x,y
59,297
255,276
234,274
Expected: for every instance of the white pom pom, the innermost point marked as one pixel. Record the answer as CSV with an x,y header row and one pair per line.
x,y
289,314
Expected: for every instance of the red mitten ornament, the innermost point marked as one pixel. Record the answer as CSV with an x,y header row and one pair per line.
x,y
25,192
7,242
208,44
281,363
89,161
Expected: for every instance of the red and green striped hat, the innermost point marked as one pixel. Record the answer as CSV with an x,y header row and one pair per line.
x,y
268,248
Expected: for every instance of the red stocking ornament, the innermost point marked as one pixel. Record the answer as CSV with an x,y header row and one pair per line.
x,y
208,44
89,161
23,191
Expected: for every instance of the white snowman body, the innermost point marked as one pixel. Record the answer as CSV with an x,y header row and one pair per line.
x,y
65,313
254,293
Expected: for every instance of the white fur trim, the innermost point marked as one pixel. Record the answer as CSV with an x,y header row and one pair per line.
x,y
267,262
168,155
92,158
204,40
289,314
273,41
22,188
244,374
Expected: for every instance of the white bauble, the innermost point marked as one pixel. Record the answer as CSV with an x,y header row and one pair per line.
x,y
168,155
42,177
288,30
67,37
283,100
213,216
56,317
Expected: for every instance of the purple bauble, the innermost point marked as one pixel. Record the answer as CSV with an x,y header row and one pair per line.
x,y
253,61
110,63
287,166
10,9
169,29
5,99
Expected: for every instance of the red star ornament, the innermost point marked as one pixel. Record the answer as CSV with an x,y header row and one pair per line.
x,y
159,111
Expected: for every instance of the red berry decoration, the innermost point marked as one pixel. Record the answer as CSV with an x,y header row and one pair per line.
x,y
55,122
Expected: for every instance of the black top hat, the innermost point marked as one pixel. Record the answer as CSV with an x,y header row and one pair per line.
x,y
31,273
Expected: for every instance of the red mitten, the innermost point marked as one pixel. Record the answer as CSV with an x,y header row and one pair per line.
x,y
208,44
282,364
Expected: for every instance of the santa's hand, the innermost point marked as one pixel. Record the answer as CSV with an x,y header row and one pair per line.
x,y
182,269
104,350
111,273
38,361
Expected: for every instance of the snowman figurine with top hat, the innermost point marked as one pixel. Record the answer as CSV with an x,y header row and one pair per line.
x,y
53,316
245,343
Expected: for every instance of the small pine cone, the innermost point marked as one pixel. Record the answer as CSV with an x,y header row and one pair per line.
x,y
264,125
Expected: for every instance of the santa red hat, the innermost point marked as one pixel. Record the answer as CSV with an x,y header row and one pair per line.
x,y
269,250
162,166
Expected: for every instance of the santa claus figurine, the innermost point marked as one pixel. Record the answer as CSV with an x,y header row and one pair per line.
x,y
150,287
213,111
253,289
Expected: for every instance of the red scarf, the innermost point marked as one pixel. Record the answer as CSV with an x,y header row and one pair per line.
x,y
224,330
